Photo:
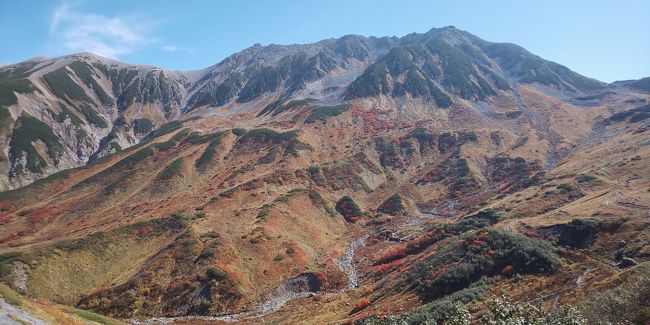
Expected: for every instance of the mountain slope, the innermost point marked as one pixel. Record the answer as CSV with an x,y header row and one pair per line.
x,y
57,113
91,106
196,222
331,182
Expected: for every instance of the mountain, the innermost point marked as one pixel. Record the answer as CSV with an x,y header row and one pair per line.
x,y
59,113
642,84
63,112
354,180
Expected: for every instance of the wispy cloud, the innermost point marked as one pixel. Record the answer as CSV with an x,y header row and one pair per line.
x,y
172,48
72,30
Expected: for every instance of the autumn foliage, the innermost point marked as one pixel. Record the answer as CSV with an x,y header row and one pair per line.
x,y
361,304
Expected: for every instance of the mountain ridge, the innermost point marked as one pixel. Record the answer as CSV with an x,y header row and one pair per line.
x,y
356,181
442,65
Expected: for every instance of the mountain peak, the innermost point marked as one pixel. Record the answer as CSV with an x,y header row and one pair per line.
x,y
441,68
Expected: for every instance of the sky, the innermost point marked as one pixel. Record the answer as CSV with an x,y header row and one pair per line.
x,y
606,40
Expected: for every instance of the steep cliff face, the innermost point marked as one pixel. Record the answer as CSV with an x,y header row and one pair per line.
x,y
59,113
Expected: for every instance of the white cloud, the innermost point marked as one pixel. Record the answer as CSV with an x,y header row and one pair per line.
x,y
75,31
172,48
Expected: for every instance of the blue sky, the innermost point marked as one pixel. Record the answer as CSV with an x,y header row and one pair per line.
x,y
607,40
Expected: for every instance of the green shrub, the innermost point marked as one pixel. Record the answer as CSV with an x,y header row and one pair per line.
x,y
162,130
207,253
164,146
64,87
441,310
229,193
266,79
197,138
371,83
228,89
294,146
348,208
393,205
215,274
84,72
422,135
313,169
239,131
178,218
134,158
324,112
579,233
199,215
30,129
65,114
585,178
635,115
92,116
142,125
269,157
210,150
269,135
173,170
458,70
8,88
479,220
282,105
464,260
501,311
565,188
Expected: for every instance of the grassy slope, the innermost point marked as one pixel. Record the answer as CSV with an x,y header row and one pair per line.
x,y
255,242
53,313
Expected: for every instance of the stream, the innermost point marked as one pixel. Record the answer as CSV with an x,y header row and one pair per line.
x,y
301,286
346,262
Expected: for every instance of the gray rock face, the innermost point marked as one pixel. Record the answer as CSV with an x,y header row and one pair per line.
x,y
59,113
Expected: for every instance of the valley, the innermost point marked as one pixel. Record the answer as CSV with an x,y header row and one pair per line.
x,y
350,181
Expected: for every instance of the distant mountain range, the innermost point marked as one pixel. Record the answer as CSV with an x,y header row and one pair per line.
x,y
81,106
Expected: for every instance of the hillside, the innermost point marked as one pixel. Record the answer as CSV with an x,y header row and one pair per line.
x,y
343,181
64,112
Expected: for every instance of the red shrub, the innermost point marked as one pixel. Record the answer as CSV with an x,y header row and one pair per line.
x,y
393,253
423,241
361,304
5,219
35,218
39,215
354,219
322,276
384,268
